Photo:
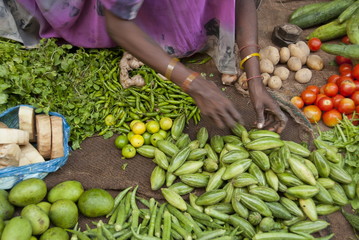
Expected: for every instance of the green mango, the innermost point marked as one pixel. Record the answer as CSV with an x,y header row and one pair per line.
x,y
70,190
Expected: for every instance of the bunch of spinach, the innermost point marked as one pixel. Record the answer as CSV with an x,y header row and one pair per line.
x,y
83,85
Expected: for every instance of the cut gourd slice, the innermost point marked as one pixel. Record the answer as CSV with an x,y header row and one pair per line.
x,y
12,135
29,155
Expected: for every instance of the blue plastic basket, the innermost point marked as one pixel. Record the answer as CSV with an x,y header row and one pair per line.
x,y
9,176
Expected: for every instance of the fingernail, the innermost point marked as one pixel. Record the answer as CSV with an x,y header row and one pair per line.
x,y
260,125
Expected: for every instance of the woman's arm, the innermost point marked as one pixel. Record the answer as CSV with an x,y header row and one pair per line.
x,y
207,95
247,40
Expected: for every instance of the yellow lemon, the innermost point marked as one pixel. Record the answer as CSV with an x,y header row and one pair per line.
x,y
137,140
133,122
110,120
139,128
166,123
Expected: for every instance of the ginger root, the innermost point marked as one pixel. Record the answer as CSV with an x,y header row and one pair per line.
x,y
128,63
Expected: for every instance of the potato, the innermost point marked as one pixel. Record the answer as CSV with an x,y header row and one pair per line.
x,y
275,82
270,53
304,47
315,62
304,75
266,77
266,66
284,54
295,51
294,64
282,72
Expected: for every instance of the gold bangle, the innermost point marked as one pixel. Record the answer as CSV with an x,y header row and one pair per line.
x,y
170,68
189,80
248,57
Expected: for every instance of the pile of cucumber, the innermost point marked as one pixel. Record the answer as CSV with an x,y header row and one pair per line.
x,y
333,19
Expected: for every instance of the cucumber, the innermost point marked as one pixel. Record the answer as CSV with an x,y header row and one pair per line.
x,y
319,16
305,9
347,13
349,51
329,31
353,27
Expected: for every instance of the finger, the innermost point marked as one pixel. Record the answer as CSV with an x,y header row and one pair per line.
x,y
282,124
260,118
217,120
233,117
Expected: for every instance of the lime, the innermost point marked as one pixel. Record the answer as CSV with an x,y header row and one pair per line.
x,y
152,126
128,151
146,136
110,120
130,135
163,133
166,123
155,137
139,128
137,140
121,141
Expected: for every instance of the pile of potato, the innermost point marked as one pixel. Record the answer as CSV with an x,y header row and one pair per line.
x,y
276,64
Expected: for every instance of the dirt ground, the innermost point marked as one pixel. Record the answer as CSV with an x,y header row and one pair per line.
x,y
98,163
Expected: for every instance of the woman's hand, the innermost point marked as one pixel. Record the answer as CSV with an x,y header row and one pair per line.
x,y
212,103
268,113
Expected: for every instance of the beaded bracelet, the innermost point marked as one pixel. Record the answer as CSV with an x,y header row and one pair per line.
x,y
248,57
170,68
189,80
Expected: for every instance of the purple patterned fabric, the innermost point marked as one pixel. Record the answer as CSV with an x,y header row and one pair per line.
x,y
180,27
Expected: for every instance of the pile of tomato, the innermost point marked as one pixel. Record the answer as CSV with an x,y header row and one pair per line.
x,y
338,97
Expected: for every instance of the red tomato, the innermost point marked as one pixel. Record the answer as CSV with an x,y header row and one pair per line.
x,y
356,82
346,73
346,105
333,78
354,118
331,89
332,118
313,113
325,104
313,88
308,97
340,60
336,99
319,96
345,40
297,101
342,79
346,88
357,109
345,67
355,97
355,72
314,44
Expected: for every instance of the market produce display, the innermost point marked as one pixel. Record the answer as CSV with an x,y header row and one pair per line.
x,y
248,184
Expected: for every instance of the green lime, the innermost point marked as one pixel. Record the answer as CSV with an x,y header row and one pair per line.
x,y
146,136
152,126
166,123
130,135
155,137
163,133
121,141
110,120
128,151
